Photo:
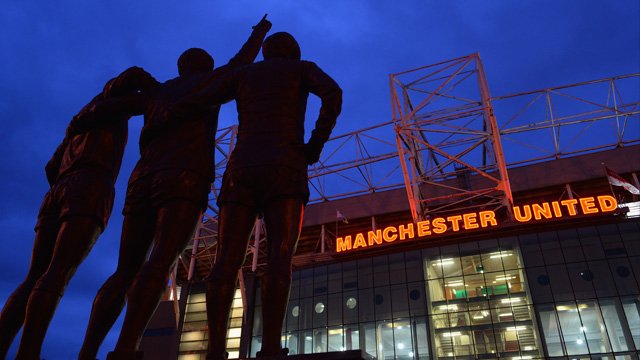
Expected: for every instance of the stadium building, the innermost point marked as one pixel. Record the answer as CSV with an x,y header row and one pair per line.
x,y
468,227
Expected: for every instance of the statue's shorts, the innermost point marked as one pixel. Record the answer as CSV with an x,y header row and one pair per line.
x,y
150,192
81,193
256,186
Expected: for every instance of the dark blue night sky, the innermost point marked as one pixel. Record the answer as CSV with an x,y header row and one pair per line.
x,y
57,55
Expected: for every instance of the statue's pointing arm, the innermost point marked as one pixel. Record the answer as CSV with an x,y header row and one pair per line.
x,y
251,48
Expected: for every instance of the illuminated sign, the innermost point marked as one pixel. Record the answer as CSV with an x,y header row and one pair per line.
x,y
476,220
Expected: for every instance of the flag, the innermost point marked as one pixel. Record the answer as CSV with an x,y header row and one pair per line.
x,y
341,217
617,180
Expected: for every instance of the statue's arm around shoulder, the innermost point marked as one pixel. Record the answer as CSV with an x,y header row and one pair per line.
x,y
122,97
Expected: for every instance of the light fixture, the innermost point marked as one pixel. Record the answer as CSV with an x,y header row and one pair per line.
x,y
510,301
516,328
497,255
504,277
451,334
443,262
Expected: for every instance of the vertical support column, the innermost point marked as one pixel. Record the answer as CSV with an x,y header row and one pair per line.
x,y
397,115
243,293
494,136
322,240
407,183
250,285
174,293
194,249
256,244
569,191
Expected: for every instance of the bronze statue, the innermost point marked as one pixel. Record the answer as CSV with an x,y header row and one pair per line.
x,y
166,196
266,176
75,210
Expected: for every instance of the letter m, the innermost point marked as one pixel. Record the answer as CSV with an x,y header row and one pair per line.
x,y
343,245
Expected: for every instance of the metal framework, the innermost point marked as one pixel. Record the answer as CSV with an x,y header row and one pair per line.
x,y
569,120
445,128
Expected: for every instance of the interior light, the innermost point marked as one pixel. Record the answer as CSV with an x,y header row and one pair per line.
x,y
579,342
506,314
510,301
400,346
634,209
499,255
516,328
448,307
455,333
504,277
443,262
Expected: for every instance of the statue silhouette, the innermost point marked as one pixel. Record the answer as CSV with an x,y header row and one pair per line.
x,y
266,176
75,210
166,196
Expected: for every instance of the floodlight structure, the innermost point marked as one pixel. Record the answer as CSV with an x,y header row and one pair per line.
x,y
446,133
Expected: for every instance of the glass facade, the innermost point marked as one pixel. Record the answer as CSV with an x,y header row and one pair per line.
x,y
194,335
570,294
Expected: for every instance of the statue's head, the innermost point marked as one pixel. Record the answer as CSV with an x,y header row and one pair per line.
x,y
281,45
132,80
194,61
117,86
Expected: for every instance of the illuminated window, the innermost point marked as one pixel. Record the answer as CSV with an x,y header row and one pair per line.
x,y
193,341
480,306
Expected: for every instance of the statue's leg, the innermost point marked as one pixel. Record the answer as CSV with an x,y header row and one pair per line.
x,y
175,224
13,312
136,238
283,220
236,223
75,239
